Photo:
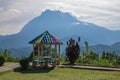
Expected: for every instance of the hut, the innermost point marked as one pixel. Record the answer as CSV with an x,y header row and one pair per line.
x,y
52,55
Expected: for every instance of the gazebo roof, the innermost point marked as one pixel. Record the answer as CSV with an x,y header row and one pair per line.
x,y
45,38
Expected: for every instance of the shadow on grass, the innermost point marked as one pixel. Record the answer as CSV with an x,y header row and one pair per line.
x,y
33,70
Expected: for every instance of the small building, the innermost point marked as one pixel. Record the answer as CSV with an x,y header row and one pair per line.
x,y
52,53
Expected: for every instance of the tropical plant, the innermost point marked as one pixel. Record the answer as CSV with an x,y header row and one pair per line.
x,y
118,61
7,56
110,56
93,56
72,50
2,60
24,63
103,62
86,54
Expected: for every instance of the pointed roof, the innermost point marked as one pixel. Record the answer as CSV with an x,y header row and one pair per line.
x,y
46,38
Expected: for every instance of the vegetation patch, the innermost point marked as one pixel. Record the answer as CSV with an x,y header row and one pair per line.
x,y
2,60
60,74
24,63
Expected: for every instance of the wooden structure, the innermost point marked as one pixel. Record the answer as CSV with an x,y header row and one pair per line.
x,y
43,40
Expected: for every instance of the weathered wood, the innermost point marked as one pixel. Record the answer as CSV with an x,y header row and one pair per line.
x,y
55,54
33,52
59,52
38,51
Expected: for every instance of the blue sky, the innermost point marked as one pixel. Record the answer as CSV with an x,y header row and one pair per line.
x,y
14,14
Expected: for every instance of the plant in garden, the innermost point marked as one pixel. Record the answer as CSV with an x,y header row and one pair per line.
x,y
73,50
118,61
93,56
86,54
24,63
8,57
2,60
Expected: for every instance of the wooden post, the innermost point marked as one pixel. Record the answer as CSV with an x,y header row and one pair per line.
x,y
59,52
50,50
55,54
38,51
33,56
33,51
41,50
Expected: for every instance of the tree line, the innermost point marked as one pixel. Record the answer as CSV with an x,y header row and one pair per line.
x,y
88,57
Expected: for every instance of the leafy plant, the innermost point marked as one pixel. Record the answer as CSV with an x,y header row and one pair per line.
x,y
72,50
24,63
86,54
2,60
103,62
79,60
7,56
118,61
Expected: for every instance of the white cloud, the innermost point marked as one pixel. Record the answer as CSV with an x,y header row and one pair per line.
x,y
14,14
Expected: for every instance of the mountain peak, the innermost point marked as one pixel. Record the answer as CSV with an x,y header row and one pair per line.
x,y
58,16
53,18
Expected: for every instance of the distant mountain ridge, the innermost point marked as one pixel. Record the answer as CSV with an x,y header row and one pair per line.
x,y
110,48
63,26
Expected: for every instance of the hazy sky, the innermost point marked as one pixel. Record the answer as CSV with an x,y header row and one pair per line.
x,y
14,14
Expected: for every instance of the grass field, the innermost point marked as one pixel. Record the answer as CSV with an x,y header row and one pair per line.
x,y
7,63
60,74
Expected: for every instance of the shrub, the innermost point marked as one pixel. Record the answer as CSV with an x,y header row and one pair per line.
x,y
10,59
104,62
24,63
95,63
79,60
2,60
118,61
72,50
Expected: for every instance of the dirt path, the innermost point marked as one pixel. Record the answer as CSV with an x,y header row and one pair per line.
x,y
9,67
90,67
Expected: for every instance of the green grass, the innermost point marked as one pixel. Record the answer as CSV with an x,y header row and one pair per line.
x,y
7,63
60,74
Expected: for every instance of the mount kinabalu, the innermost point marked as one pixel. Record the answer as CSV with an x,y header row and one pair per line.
x,y
62,25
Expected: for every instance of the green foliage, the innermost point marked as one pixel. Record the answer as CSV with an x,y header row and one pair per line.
x,y
109,56
62,58
79,60
87,46
86,54
103,62
2,60
92,58
72,50
24,63
7,56
118,61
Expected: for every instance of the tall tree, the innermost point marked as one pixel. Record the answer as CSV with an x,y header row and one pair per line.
x,y
87,46
73,50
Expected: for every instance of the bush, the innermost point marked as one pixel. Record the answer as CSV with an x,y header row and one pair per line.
x,y
104,62
118,61
72,50
2,60
10,59
24,63
79,60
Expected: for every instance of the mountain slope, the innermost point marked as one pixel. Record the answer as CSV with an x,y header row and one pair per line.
x,y
63,26
110,48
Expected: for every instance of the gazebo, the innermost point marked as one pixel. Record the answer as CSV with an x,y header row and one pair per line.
x,y
44,40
